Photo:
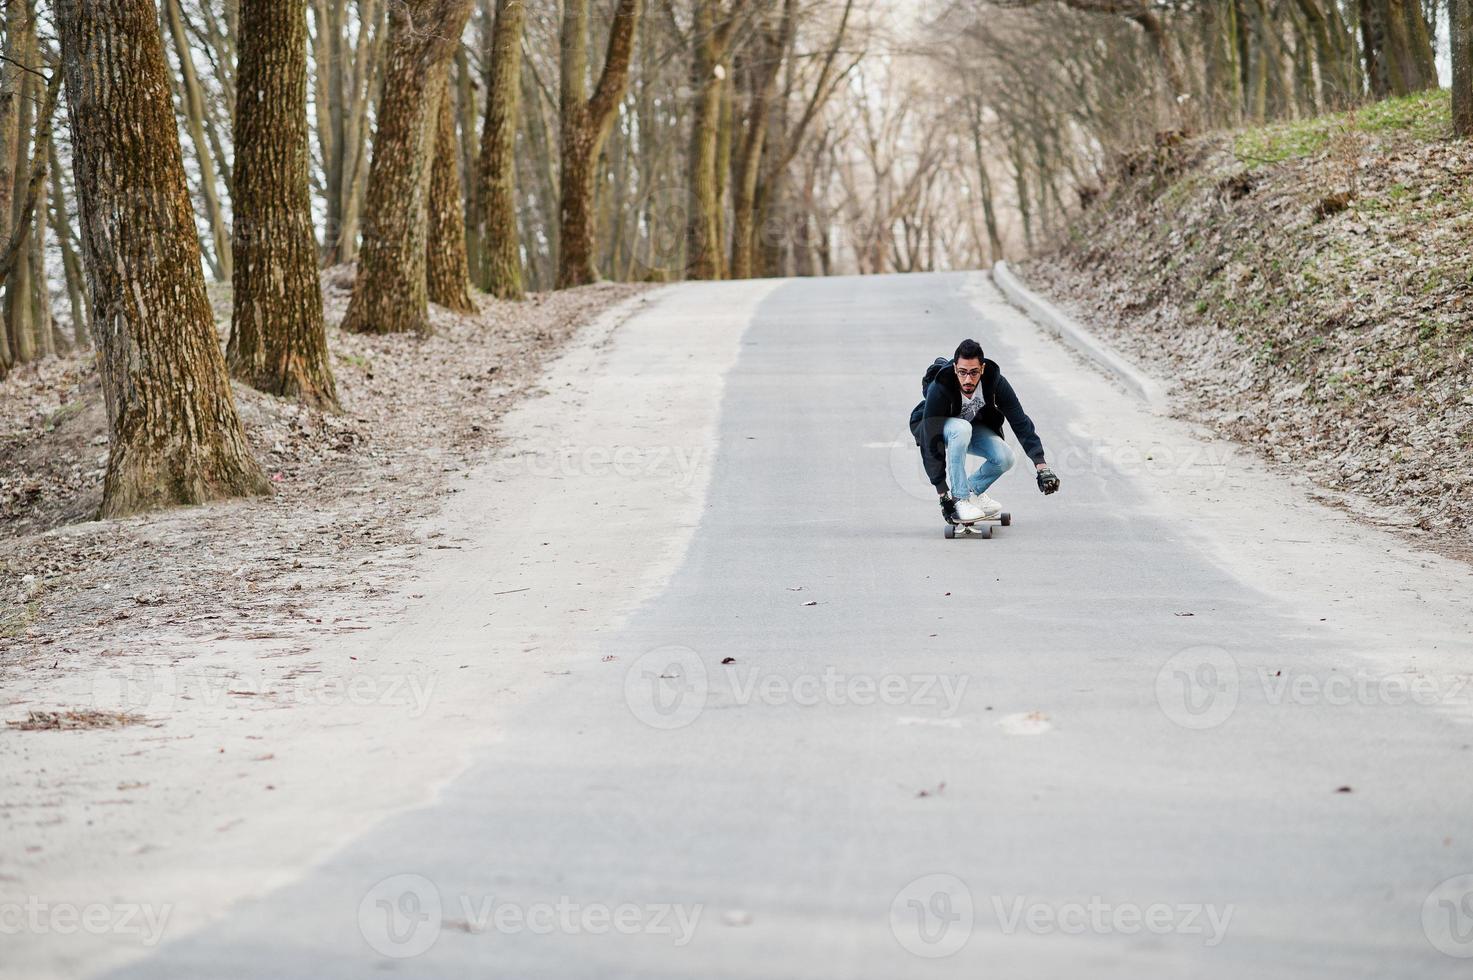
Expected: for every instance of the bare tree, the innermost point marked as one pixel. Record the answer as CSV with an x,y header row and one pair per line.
x,y
785,138
390,293
761,73
1460,39
1397,46
496,178
715,24
277,339
192,100
347,62
447,270
174,433
585,122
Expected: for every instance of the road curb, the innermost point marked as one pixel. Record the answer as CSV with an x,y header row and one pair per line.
x,y
1067,329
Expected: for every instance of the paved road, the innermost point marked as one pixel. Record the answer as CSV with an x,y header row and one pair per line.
x,y
1008,758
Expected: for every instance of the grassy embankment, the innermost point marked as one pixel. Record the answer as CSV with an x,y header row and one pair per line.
x,y
1308,286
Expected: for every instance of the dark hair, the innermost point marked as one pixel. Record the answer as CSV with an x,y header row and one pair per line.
x,y
968,350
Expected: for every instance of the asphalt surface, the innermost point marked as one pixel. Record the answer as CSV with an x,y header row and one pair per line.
x,y
1060,752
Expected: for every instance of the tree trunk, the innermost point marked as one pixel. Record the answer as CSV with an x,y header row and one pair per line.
x,y
345,85
389,293
447,272
11,79
575,213
616,202
277,340
327,104
194,118
466,107
1419,43
538,168
1372,37
744,196
1231,50
18,281
11,83
724,143
772,50
1176,84
773,205
496,195
1338,87
984,184
1020,183
1398,49
71,265
175,435
1460,37
701,241
585,125
42,322
16,251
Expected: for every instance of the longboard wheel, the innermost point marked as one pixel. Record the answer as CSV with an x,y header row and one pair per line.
x,y
950,531
1007,519
985,530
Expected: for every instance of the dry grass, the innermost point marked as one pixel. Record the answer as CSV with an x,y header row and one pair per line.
x,y
1309,287
51,721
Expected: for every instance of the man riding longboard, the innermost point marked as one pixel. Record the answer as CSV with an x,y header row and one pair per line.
x,y
967,399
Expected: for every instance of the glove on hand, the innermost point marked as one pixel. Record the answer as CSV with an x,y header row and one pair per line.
x,y
1048,482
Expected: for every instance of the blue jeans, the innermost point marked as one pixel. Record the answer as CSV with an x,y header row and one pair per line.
x,y
963,438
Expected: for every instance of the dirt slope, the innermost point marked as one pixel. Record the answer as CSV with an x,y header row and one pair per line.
x,y
417,412
1306,288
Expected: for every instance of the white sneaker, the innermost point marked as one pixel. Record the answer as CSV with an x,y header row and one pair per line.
x,y
966,511
988,506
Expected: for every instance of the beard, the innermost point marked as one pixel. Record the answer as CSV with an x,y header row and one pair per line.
x,y
969,390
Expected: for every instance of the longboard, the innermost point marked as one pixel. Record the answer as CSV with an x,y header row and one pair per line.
x,y
979,528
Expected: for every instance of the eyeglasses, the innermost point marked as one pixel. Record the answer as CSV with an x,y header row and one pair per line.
x,y
973,373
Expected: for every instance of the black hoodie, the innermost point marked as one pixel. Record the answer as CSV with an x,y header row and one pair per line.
x,y
944,401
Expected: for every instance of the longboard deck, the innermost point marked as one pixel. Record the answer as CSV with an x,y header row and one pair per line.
x,y
981,528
